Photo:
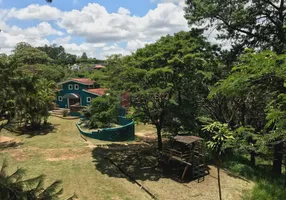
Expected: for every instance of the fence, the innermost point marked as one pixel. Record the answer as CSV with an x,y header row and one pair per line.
x,y
125,132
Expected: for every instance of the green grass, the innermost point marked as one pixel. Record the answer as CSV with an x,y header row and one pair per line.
x,y
268,186
140,127
78,174
62,154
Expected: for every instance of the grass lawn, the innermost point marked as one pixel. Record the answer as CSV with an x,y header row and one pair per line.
x,y
63,154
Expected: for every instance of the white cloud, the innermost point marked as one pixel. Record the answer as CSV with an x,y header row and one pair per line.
x,y
95,24
133,45
181,3
10,36
8,41
35,11
123,11
61,40
41,30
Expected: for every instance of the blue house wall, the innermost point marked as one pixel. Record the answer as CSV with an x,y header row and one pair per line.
x,y
65,90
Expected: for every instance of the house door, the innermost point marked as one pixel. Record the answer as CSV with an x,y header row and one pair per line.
x,y
74,102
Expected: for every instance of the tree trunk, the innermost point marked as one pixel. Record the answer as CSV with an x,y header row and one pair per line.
x,y
218,179
252,158
278,158
159,137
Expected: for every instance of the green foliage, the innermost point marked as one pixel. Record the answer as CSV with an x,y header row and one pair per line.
x,y
246,139
34,96
84,57
65,113
221,141
58,55
175,71
252,91
221,138
25,54
247,23
103,111
267,186
168,80
266,190
14,186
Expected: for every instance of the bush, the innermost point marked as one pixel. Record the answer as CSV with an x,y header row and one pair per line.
x,y
65,113
103,112
266,190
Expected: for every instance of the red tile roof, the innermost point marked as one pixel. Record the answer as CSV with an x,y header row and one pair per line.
x,y
85,81
98,67
97,91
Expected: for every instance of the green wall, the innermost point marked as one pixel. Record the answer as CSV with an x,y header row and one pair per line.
x,y
65,90
124,133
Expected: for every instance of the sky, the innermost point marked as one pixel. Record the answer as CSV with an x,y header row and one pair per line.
x,y
98,27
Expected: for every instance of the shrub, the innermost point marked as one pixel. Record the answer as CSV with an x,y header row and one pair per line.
x,y
103,112
65,113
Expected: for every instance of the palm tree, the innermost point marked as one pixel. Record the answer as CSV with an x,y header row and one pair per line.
x,y
13,187
221,137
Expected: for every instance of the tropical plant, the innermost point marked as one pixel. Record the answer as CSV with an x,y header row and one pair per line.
x,y
220,142
14,186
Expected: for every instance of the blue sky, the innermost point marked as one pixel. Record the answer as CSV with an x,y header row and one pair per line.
x,y
138,7
99,28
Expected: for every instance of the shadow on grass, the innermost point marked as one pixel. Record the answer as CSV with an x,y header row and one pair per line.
x,y
7,145
138,161
31,132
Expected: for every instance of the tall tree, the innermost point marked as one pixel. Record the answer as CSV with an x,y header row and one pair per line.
x,y
7,74
255,81
167,80
84,57
257,24
25,54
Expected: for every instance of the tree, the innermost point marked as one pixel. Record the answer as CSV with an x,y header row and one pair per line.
x,y
7,72
221,139
167,80
25,54
103,111
154,98
57,53
13,186
256,81
256,24
84,57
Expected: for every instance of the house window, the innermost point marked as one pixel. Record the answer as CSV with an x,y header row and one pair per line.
x,y
76,87
70,86
60,98
88,99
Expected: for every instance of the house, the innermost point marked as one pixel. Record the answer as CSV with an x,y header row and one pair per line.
x,y
98,67
75,67
78,92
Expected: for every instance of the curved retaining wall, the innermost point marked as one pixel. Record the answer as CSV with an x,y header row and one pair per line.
x,y
124,133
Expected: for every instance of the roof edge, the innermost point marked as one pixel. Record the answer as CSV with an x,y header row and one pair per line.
x,y
61,83
91,93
